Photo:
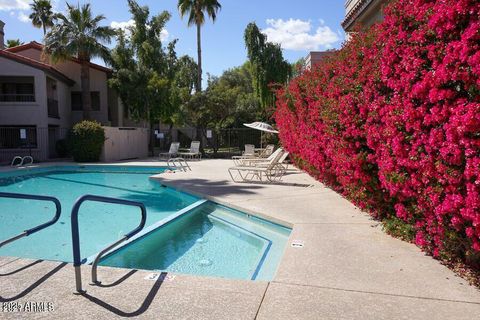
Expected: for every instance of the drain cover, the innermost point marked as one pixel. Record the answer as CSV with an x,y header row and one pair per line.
x,y
205,262
297,244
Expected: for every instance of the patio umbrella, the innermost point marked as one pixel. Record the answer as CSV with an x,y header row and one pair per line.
x,y
263,127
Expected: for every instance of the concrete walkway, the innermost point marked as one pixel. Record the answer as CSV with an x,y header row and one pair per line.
x,y
347,269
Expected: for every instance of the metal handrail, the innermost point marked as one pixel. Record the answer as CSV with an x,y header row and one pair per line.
x,y
58,211
172,163
77,263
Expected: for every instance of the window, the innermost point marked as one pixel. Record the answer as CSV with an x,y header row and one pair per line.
x,y
11,137
17,89
77,104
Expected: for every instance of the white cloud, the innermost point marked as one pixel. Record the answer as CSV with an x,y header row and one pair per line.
x,y
6,5
296,34
23,17
21,6
164,35
125,25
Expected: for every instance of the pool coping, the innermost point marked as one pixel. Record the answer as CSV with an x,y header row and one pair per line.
x,y
171,185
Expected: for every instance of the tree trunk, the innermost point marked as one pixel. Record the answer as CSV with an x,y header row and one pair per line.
x,y
85,82
44,30
199,51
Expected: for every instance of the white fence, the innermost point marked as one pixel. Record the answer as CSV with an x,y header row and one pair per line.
x,y
125,143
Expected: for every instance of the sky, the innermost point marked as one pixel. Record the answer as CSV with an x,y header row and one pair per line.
x,y
300,26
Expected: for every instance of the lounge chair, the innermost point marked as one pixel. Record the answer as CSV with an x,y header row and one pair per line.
x,y
172,152
267,151
272,171
193,153
262,162
283,165
248,161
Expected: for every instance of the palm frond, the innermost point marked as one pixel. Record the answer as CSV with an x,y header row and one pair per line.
x,y
78,33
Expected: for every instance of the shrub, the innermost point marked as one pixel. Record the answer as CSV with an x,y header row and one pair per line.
x,y
392,121
86,141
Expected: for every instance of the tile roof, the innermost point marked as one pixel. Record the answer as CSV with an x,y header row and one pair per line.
x,y
38,46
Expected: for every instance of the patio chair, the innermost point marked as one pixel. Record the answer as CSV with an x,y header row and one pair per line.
x,y
283,165
262,163
272,171
172,152
194,151
249,151
248,161
267,151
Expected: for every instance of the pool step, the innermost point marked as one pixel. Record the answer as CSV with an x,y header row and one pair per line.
x,y
153,227
244,220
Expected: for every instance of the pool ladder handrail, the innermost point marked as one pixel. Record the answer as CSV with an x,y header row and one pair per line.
x,y
58,211
77,262
182,164
22,161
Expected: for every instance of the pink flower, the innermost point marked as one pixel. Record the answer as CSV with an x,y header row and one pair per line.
x,y
392,120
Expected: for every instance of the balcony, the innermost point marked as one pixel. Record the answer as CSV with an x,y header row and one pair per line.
x,y
363,13
6,97
53,108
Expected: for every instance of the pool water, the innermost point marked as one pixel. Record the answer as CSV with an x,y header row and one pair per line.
x,y
210,240
207,240
99,223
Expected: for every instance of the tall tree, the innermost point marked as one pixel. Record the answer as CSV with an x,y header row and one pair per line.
x,y
196,9
151,81
228,102
268,65
298,67
13,43
78,34
42,15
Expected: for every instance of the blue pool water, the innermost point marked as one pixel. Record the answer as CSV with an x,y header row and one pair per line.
x,y
208,240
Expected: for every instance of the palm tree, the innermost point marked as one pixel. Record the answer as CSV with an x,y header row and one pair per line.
x,y
79,35
42,15
13,43
196,10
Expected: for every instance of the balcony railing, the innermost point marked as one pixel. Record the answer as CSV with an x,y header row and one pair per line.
x,y
53,108
4,97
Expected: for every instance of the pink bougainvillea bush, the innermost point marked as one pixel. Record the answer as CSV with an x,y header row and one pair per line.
x,y
392,121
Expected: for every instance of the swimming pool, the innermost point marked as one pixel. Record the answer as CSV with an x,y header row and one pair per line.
x,y
200,241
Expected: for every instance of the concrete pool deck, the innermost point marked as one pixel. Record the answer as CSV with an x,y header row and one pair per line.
x,y
348,268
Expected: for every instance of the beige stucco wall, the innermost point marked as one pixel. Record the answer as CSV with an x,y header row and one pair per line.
x,y
63,98
98,82
124,144
34,113
24,113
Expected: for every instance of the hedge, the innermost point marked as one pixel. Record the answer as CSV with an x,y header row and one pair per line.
x,y
392,121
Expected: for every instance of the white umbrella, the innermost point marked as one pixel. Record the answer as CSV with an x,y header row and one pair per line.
x,y
262,126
